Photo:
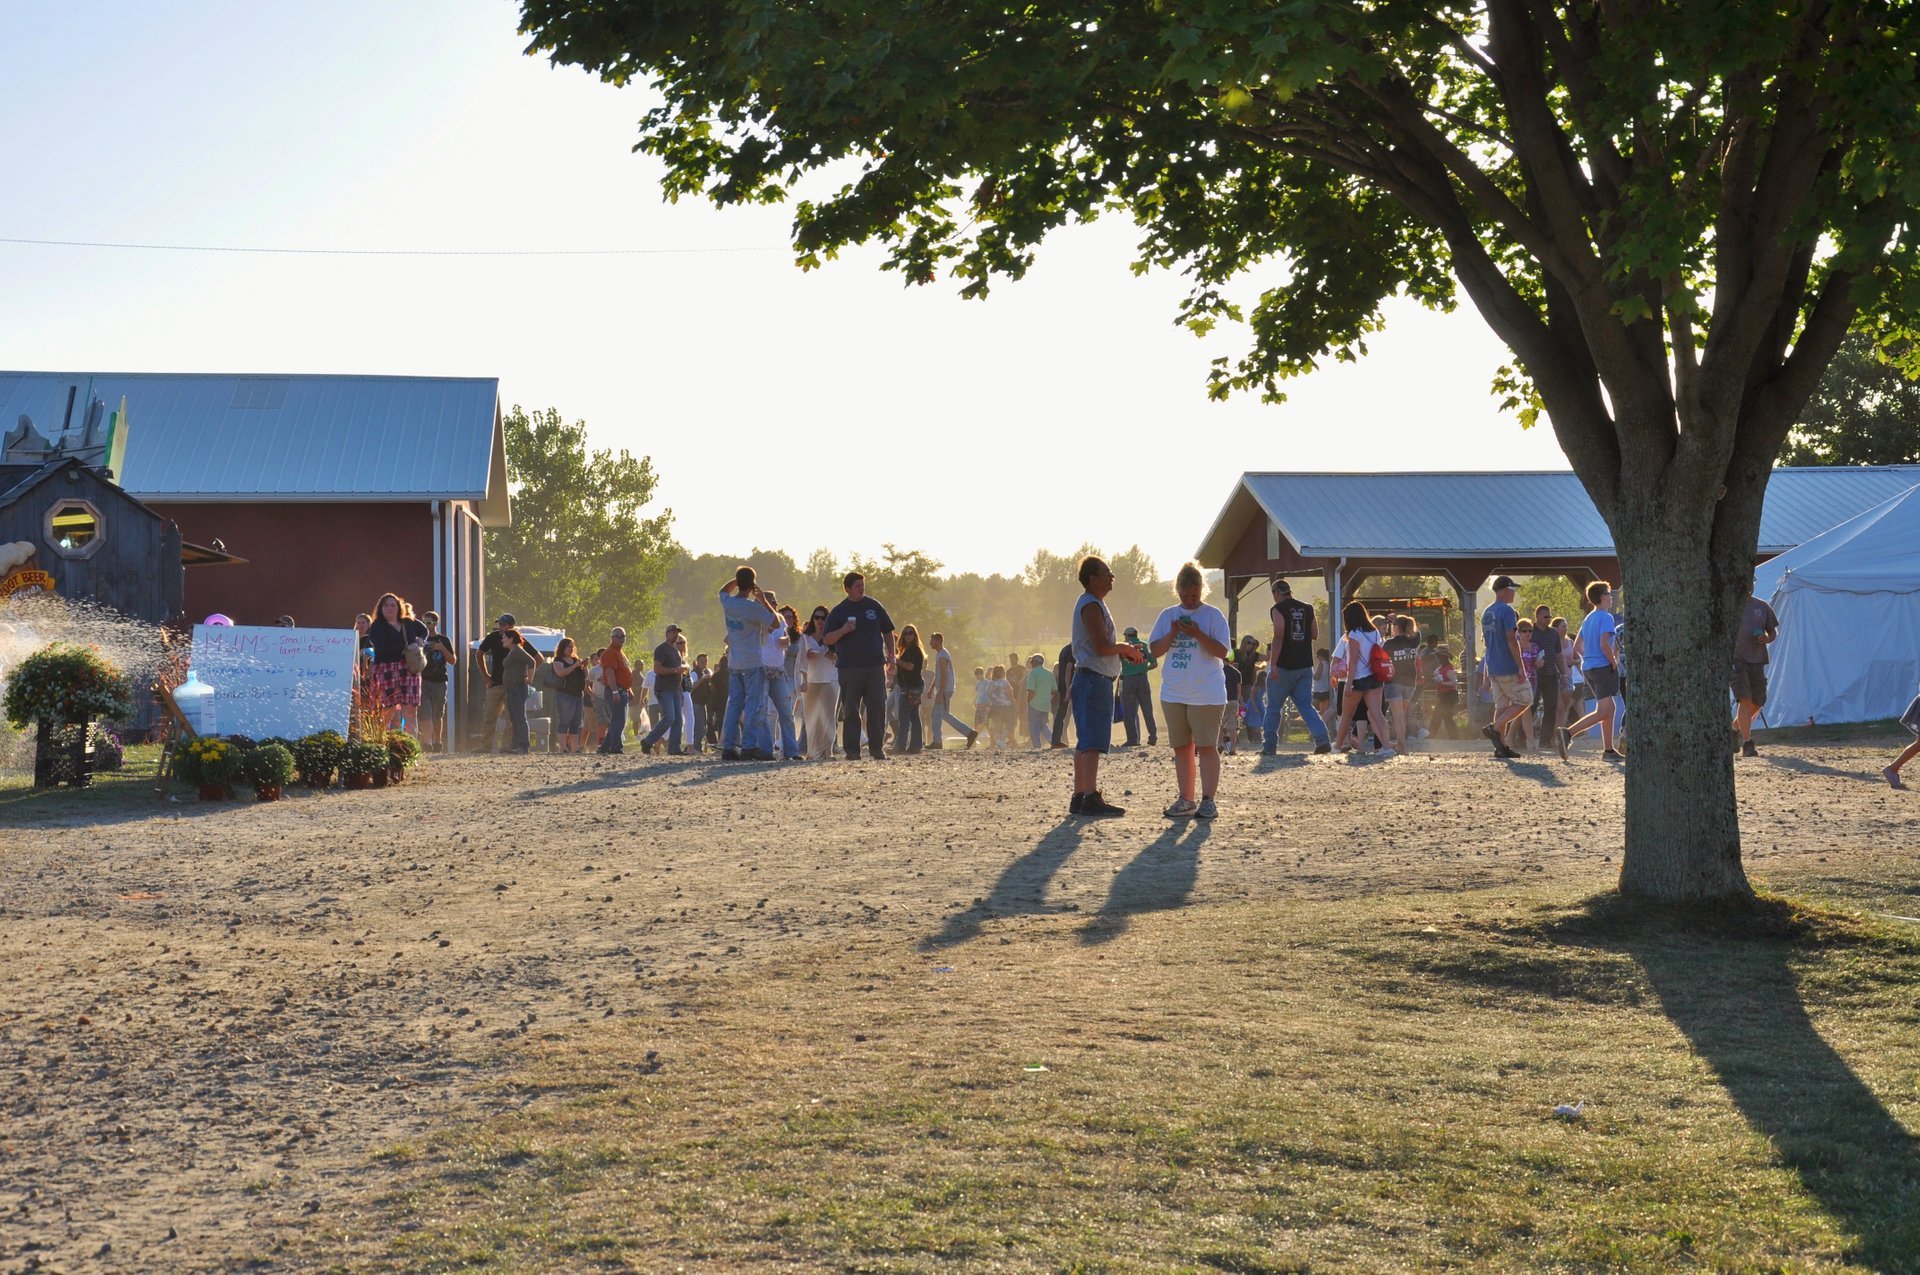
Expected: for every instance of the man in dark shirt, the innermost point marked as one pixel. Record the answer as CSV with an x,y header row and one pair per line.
x,y
441,658
1546,678
1247,662
1290,670
490,656
1758,627
669,680
861,634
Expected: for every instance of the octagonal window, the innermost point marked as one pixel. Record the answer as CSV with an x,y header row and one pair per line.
x,y
74,529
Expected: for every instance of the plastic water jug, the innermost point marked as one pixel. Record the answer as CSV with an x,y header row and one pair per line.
x,y
195,699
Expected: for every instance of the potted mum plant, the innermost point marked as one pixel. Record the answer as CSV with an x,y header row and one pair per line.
x,y
210,764
317,756
363,764
403,751
65,685
268,768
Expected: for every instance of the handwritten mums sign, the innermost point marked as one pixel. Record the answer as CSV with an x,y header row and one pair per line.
x,y
285,682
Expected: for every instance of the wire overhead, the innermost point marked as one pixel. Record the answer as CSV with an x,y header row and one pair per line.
x,y
381,252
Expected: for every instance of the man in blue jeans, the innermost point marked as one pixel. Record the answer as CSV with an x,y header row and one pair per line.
x,y
861,634
1290,670
1098,654
669,679
748,615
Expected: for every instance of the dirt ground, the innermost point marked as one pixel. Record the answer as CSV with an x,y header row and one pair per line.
x,y
215,1019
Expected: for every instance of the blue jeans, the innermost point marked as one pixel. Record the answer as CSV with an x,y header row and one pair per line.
x,y
616,703
908,734
668,724
780,695
1295,684
1092,711
938,712
1037,727
746,710
699,727
1136,701
517,714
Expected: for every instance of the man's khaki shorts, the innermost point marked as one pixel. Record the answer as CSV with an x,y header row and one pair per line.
x,y
1189,722
1510,691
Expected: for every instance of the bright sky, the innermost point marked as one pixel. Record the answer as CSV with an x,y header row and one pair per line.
x,y
783,409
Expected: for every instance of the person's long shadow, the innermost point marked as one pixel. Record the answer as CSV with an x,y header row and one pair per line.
x,y
1160,876
1737,1000
1541,773
1805,767
1021,889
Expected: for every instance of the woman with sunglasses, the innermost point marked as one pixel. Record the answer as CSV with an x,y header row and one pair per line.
x,y
819,687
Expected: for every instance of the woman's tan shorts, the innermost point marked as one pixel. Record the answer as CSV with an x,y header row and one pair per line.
x,y
1188,722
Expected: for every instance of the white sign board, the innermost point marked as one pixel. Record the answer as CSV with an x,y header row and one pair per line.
x,y
285,682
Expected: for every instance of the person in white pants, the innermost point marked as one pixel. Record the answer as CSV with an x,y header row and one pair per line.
x,y
819,688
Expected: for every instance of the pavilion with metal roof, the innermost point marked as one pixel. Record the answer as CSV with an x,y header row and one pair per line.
x,y
1468,527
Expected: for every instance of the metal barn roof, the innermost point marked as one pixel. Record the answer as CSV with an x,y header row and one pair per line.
x,y
196,437
1507,515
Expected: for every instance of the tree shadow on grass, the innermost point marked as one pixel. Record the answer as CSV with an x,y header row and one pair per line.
x,y
1160,876
1728,981
1020,890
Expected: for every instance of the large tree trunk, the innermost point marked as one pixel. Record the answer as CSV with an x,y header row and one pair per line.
x,y
1688,567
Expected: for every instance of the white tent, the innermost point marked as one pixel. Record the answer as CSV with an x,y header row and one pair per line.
x,y
1849,608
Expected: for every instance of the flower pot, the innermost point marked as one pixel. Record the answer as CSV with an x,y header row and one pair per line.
x,y
213,792
396,773
379,779
267,792
318,781
356,781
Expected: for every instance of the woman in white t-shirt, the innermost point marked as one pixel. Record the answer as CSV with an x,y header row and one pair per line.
x,y
1192,641
1362,685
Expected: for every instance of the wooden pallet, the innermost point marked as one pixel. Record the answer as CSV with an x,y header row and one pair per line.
x,y
174,733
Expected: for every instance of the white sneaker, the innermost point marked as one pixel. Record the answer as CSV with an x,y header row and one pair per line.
x,y
1181,809
1384,753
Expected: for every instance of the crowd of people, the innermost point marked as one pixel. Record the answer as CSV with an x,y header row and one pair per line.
x,y
847,682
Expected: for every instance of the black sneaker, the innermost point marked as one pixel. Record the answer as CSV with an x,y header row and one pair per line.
x,y
757,754
1748,750
1079,799
730,754
1489,732
1321,750
1612,755
1094,806
1502,753
877,754
971,736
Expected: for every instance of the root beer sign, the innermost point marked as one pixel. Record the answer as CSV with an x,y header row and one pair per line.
x,y
26,581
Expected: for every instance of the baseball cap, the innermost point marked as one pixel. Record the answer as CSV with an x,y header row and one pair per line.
x,y
1504,582
506,618
1130,631
673,628
1281,586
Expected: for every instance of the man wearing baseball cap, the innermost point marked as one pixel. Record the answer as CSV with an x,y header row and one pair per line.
x,y
1136,694
669,680
490,657
1500,628
616,687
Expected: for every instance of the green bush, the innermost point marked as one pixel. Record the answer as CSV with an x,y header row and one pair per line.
x,y
267,765
363,758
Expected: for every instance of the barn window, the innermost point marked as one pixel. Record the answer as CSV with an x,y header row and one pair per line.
x,y
74,529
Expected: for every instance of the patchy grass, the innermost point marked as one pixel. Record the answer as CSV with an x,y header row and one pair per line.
x,y
1366,1084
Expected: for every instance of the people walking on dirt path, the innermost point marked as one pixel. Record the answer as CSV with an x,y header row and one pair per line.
x,y
1500,632
669,679
1911,720
861,634
1408,669
1098,654
1040,688
1547,675
1598,653
1291,671
941,684
1759,626
1193,636
1363,686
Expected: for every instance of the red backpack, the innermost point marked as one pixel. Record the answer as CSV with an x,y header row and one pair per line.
x,y
1380,662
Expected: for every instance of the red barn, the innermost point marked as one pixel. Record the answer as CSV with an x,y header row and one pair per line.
x,y
333,489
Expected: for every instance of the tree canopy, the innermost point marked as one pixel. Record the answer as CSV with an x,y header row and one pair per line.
x,y
582,553
1865,411
1670,210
